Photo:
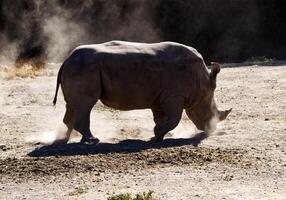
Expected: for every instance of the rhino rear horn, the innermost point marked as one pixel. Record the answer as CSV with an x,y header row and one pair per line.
x,y
224,114
214,71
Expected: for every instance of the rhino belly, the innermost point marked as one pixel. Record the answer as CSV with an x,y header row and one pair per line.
x,y
128,91
128,98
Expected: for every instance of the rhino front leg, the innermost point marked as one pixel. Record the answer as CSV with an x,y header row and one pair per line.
x,y
158,116
172,108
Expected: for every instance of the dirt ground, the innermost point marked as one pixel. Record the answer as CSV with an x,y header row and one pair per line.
x,y
245,158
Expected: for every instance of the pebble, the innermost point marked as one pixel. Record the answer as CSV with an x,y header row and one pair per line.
x,y
3,147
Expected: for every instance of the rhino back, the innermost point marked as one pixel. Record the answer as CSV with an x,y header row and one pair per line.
x,y
160,51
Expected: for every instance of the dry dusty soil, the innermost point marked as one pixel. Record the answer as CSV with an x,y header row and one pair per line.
x,y
244,159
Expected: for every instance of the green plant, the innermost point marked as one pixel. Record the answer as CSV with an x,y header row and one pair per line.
x,y
260,59
144,196
128,196
78,191
123,196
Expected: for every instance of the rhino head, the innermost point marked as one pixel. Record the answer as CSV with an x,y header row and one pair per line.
x,y
205,115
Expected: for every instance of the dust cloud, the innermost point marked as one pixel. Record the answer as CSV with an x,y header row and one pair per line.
x,y
61,38
8,56
48,137
51,29
212,124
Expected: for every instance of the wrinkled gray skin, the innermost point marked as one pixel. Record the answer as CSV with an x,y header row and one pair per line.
x,y
166,77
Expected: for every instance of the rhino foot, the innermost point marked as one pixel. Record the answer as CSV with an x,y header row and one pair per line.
x,y
90,140
156,139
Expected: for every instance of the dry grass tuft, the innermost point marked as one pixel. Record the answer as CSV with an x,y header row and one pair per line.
x,y
23,68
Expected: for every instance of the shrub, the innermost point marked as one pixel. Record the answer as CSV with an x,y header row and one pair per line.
x,y
127,196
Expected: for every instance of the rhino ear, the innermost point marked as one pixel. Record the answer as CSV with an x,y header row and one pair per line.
x,y
214,71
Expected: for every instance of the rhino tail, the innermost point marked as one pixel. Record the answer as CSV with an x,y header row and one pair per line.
x,y
214,71
58,84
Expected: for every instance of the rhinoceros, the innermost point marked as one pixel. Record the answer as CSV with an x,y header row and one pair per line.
x,y
166,77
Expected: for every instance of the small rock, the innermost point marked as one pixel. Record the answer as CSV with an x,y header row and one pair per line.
x,y
228,178
266,119
3,147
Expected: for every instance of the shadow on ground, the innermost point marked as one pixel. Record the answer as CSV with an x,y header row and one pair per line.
x,y
123,146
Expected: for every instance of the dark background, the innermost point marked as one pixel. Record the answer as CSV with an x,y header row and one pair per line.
x,y
222,30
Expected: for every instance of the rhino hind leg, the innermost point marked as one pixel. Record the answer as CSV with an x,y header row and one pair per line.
x,y
68,120
173,109
82,124
69,116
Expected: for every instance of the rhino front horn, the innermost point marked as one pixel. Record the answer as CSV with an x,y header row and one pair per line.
x,y
224,114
